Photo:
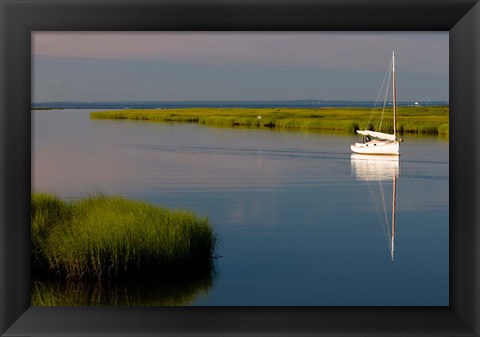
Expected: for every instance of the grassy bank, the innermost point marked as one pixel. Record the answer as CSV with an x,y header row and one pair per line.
x,y
109,237
424,120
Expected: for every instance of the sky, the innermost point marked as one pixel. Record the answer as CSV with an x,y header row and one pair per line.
x,y
225,66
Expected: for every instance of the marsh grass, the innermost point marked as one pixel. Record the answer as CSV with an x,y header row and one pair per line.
x,y
110,237
424,120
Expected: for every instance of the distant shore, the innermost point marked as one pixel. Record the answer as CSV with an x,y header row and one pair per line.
x,y
306,103
431,120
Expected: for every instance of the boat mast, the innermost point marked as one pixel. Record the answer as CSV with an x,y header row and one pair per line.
x,y
394,89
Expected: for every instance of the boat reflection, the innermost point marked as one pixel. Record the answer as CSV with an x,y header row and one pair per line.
x,y
378,168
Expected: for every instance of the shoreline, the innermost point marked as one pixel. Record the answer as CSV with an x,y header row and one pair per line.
x,y
432,120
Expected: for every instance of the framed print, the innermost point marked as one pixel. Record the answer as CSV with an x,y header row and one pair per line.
x,y
205,168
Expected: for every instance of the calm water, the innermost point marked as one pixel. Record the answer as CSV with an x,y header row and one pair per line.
x,y
300,221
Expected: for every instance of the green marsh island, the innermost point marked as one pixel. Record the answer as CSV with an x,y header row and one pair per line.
x,y
100,239
432,120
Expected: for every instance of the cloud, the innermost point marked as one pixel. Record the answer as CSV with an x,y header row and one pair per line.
x,y
417,52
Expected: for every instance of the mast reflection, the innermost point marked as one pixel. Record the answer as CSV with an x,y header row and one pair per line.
x,y
379,168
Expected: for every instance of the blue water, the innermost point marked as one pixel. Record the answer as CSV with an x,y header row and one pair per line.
x,y
300,222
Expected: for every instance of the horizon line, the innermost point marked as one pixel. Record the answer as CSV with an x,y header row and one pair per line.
x,y
229,101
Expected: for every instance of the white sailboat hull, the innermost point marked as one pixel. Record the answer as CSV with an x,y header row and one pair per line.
x,y
377,147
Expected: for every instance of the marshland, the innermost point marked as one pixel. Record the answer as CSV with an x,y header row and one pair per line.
x,y
104,237
94,250
412,119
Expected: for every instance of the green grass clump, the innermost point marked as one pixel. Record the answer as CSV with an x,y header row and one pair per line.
x,y
425,120
109,237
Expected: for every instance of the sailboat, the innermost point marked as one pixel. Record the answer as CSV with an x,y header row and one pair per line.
x,y
380,169
378,142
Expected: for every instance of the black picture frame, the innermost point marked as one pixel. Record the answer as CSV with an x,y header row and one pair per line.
x,y
18,18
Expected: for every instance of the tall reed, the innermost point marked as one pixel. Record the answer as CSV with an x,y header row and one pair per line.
x,y
109,237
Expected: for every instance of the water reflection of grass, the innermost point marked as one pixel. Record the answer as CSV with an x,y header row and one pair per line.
x,y
102,237
145,291
422,120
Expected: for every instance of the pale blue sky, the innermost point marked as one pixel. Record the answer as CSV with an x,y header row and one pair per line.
x,y
173,66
